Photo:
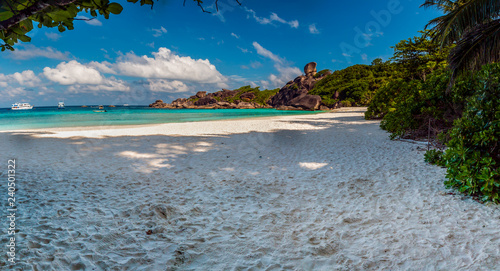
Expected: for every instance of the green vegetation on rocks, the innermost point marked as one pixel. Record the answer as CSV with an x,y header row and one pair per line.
x,y
260,96
355,85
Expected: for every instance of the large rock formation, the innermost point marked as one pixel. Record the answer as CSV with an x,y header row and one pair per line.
x,y
296,93
310,69
243,98
293,96
157,104
205,101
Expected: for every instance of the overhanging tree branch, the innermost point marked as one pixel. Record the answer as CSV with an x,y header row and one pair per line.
x,y
31,10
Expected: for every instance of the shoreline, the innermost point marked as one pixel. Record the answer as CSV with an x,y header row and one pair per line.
x,y
152,125
163,128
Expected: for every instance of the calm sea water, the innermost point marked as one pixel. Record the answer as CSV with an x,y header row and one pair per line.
x,y
73,116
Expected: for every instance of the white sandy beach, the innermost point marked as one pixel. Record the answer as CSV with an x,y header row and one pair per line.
x,y
310,192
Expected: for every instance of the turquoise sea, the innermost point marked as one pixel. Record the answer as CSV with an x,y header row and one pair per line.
x,y
74,116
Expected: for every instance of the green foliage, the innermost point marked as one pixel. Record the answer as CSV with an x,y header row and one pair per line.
x,y
357,84
384,100
261,97
434,157
14,27
474,25
419,56
418,94
322,73
473,154
410,109
410,106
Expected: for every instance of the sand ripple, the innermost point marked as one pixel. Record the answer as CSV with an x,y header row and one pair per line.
x,y
315,192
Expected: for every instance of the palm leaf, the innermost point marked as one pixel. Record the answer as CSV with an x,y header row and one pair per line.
x,y
462,17
479,46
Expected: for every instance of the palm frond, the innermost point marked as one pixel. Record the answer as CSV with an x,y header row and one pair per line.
x,y
479,46
463,16
443,5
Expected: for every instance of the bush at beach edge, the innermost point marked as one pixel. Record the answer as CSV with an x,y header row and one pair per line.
x,y
473,155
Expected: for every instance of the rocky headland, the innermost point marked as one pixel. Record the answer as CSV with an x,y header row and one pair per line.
x,y
293,96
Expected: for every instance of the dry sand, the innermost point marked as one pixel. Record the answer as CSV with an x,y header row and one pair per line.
x,y
312,192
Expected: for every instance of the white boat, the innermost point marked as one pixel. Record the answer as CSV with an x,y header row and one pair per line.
x,y
60,105
21,106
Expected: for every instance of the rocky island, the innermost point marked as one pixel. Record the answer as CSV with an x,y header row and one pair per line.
x,y
293,96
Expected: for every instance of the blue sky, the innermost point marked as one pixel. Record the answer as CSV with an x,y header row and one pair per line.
x,y
173,51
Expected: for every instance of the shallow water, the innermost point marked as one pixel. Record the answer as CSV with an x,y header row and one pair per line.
x,y
73,116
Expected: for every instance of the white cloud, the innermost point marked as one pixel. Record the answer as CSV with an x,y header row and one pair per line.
x,y
26,78
241,81
14,92
69,73
159,32
255,64
266,53
34,52
243,49
108,84
364,57
18,85
160,85
152,44
52,36
104,67
234,35
90,21
273,18
83,78
166,65
313,29
286,72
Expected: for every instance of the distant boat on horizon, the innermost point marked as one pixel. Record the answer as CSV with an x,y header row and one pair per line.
x,y
21,106
60,105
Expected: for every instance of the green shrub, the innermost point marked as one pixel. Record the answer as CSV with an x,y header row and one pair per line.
x,y
384,100
263,96
473,155
347,103
434,157
410,109
322,73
